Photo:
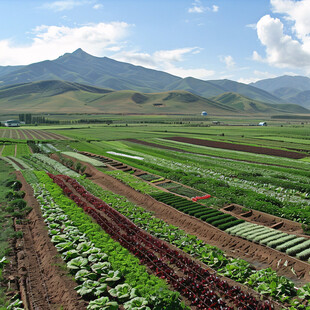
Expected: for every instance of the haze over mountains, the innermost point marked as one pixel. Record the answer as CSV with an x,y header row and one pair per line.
x,y
83,81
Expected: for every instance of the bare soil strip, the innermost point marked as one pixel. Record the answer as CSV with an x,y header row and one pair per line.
x,y
239,147
1,149
42,272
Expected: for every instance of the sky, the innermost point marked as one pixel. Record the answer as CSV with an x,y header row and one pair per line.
x,y
240,40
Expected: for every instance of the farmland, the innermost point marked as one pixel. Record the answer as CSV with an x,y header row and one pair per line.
x,y
114,210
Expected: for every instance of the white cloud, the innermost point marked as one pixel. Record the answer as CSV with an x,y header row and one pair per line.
x,y
63,5
166,60
283,49
197,7
229,61
215,8
296,11
253,26
49,42
97,6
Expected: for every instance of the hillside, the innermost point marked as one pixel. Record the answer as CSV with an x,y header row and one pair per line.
x,y
300,83
293,89
65,97
80,67
250,106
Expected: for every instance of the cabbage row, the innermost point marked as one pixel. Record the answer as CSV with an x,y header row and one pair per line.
x,y
114,261
288,243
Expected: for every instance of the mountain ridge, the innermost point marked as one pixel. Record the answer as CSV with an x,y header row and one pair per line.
x,y
81,67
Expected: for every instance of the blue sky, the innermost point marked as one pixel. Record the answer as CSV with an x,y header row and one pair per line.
x,y
242,40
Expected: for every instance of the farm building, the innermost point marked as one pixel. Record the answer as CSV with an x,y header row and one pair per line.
x,y
12,123
262,124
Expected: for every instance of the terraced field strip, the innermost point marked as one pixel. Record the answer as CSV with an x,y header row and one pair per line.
x,y
21,134
55,136
37,134
14,134
9,150
22,149
155,180
239,147
3,133
28,134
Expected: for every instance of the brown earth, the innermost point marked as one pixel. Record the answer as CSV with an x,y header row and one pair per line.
x,y
239,147
258,255
43,278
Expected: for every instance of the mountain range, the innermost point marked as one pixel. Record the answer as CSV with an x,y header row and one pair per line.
x,y
80,78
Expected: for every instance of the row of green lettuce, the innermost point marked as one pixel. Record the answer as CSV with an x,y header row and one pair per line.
x,y
153,289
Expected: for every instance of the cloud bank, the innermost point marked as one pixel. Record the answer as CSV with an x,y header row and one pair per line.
x,y
286,41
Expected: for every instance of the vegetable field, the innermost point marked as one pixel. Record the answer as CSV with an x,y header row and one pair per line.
x,y
131,217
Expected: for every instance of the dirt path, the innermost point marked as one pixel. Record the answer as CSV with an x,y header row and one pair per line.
x,y
43,276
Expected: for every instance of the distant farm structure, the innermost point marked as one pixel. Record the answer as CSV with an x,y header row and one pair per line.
x,y
262,124
204,113
12,123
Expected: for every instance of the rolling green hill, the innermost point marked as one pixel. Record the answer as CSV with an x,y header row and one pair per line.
x,y
250,106
66,97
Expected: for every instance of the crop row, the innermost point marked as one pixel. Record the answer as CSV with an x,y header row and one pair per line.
x,y
209,215
151,288
290,244
207,175
84,158
236,269
133,182
98,282
54,165
196,283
